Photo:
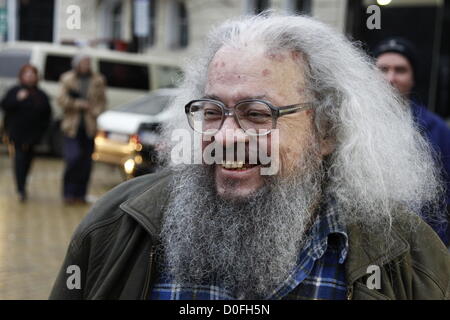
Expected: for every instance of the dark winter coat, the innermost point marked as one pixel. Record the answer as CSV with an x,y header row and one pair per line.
x,y
437,132
27,120
113,250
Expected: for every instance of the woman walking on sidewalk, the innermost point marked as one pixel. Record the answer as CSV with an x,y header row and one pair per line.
x,y
27,116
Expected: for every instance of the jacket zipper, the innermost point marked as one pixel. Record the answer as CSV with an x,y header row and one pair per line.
x,y
349,292
148,277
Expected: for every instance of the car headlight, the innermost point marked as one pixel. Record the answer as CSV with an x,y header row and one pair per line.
x,y
129,166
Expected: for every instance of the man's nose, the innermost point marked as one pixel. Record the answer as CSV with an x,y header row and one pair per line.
x,y
230,133
390,76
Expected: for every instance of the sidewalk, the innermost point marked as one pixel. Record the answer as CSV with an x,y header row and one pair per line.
x,y
34,236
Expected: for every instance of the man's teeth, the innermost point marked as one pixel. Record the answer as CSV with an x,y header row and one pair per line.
x,y
233,164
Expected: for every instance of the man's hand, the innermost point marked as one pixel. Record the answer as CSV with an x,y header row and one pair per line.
x,y
22,94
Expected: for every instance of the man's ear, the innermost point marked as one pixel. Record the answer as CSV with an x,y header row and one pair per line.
x,y
327,138
327,146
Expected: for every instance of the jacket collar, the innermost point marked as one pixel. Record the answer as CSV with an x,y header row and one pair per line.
x,y
363,250
148,207
366,250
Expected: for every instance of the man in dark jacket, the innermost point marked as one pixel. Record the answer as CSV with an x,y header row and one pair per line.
x,y
305,183
397,59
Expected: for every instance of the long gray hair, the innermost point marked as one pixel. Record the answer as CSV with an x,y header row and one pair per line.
x,y
380,159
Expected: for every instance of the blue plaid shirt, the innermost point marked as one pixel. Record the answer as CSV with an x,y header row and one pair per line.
x,y
319,273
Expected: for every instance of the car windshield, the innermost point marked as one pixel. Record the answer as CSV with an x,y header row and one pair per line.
x,y
149,105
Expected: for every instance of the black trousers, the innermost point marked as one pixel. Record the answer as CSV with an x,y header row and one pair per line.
x,y
77,155
23,156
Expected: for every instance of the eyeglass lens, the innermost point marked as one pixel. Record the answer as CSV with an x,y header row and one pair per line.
x,y
254,116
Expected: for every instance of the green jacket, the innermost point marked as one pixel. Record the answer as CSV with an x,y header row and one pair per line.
x,y
114,249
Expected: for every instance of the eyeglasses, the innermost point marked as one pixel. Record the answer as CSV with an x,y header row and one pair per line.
x,y
256,117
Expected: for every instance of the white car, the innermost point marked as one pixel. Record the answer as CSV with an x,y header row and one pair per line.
x,y
128,75
128,136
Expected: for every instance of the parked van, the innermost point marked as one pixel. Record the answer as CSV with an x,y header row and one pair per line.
x,y
128,75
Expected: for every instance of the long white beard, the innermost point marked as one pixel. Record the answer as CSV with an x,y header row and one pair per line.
x,y
246,247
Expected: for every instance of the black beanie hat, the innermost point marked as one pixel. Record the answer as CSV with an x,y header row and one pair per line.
x,y
400,46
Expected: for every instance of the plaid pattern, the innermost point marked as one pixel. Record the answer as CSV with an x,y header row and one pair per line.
x,y
319,274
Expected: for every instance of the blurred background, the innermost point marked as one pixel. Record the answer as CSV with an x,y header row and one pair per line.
x,y
140,46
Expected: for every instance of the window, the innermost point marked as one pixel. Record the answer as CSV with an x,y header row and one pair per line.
x,y
183,21
300,6
261,5
178,25
116,23
111,22
152,23
55,66
124,75
257,6
144,24
168,76
11,61
35,20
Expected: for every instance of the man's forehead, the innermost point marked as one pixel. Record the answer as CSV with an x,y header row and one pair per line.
x,y
252,62
235,61
239,73
252,55
229,51
392,59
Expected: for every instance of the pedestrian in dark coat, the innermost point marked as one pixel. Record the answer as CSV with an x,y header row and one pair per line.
x,y
397,59
438,134
27,117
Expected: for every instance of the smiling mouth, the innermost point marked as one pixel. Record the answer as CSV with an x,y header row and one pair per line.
x,y
237,165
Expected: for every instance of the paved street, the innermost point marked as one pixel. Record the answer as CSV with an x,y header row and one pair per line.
x,y
34,236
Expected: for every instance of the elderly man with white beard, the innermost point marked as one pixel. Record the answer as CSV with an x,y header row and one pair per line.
x,y
338,220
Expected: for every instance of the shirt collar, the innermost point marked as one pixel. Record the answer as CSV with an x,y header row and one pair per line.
x,y
328,231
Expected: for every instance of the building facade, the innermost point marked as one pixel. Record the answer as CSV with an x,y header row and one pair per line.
x,y
175,28
157,27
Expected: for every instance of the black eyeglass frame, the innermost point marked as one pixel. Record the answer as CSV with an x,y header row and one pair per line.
x,y
228,112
